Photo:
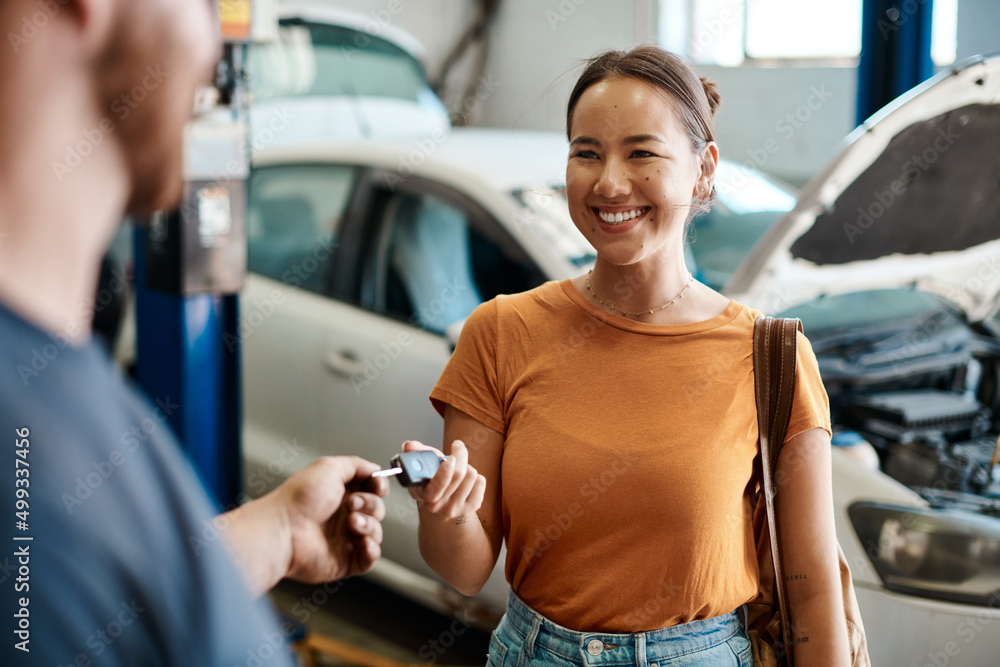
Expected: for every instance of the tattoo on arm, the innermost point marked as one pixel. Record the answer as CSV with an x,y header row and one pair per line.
x,y
800,640
460,520
795,577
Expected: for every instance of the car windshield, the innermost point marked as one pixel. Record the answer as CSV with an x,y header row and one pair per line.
x,y
748,203
543,212
312,59
830,315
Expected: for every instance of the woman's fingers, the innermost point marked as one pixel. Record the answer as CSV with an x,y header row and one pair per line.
x,y
417,446
459,504
436,490
456,488
459,460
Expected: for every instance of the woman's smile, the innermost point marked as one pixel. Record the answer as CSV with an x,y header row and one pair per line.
x,y
618,220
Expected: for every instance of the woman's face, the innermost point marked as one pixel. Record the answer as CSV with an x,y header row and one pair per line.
x,y
632,171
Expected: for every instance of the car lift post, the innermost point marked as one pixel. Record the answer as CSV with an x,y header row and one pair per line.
x,y
895,51
189,268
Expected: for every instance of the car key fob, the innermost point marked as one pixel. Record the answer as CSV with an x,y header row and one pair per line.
x,y
412,468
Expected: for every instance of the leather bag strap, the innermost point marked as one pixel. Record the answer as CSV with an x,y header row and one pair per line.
x,y
774,346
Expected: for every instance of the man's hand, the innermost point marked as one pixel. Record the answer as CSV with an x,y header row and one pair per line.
x,y
333,509
321,524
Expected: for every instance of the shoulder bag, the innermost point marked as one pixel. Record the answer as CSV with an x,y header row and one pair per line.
x,y
768,626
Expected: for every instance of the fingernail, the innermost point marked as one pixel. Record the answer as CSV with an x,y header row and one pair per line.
x,y
359,521
357,502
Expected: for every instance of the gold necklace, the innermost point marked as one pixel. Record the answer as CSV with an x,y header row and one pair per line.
x,y
610,305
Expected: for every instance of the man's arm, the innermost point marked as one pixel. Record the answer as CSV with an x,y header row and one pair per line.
x,y
321,524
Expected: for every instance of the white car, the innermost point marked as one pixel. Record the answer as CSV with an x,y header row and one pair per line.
x,y
338,74
365,258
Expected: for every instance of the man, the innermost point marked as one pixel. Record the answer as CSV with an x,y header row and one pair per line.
x,y
110,555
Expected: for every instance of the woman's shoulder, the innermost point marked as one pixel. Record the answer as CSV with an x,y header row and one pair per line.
x,y
534,301
523,306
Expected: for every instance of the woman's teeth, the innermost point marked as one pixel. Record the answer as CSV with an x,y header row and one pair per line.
x,y
615,218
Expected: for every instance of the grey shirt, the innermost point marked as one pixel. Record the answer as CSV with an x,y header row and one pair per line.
x,y
125,565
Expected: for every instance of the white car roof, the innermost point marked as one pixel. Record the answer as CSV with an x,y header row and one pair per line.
x,y
503,160
316,12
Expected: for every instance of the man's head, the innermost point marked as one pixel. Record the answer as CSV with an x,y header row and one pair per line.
x,y
140,62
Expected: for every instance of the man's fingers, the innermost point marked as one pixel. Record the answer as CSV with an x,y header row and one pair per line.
x,y
369,503
347,468
364,525
367,552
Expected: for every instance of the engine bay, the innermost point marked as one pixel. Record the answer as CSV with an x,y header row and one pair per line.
x,y
926,394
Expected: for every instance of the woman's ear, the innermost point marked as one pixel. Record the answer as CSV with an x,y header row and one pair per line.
x,y
709,162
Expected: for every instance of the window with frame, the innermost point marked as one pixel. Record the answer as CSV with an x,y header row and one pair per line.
x,y
437,259
293,221
808,32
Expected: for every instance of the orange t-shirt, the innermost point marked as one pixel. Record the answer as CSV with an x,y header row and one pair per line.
x,y
628,451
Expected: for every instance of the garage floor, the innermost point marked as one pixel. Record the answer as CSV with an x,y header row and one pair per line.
x,y
378,621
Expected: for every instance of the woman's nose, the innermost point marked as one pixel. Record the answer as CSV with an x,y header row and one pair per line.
x,y
614,180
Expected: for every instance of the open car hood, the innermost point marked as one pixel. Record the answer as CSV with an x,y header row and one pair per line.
x,y
912,199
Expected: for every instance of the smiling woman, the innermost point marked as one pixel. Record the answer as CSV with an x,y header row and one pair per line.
x,y
657,563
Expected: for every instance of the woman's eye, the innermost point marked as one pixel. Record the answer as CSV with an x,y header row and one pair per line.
x,y
641,154
587,155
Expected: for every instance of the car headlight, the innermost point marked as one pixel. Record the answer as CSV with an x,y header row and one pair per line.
x,y
941,554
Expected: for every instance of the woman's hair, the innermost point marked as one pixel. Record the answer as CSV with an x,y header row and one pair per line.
x,y
696,99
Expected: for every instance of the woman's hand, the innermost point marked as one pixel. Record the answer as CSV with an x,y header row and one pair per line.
x,y
456,492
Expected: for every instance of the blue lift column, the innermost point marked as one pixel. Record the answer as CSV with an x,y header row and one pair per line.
x,y
190,264
895,51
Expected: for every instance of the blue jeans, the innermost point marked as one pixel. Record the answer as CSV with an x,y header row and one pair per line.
x,y
525,637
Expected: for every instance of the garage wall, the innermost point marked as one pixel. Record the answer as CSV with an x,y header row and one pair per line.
x,y
978,23
787,121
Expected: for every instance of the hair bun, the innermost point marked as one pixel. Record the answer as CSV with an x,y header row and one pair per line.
x,y
712,93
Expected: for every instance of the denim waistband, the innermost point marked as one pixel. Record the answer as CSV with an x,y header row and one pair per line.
x,y
606,648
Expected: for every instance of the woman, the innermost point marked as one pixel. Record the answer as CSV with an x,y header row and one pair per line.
x,y
605,426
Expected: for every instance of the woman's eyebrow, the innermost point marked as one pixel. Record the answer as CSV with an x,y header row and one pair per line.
x,y
642,138
589,141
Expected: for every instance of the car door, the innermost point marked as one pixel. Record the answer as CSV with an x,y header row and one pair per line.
x,y
295,221
429,257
